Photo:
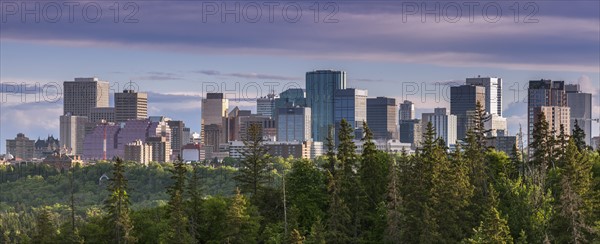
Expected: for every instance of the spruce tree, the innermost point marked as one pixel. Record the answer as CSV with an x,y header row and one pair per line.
x,y
253,172
331,157
242,226
46,230
338,215
350,187
118,223
317,233
493,227
194,190
579,137
374,167
541,147
178,231
393,231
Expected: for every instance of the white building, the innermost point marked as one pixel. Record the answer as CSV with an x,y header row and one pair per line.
x,y
496,125
443,123
285,149
72,133
493,93
392,146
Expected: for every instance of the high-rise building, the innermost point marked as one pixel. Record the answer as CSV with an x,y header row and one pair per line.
x,y
214,112
161,148
411,132
381,117
443,123
290,98
493,93
138,151
83,94
543,93
320,89
293,124
72,133
130,105
177,136
102,114
581,110
495,125
407,111
20,147
350,104
265,105
555,116
463,102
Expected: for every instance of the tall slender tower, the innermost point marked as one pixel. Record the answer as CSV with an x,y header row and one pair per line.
x,y
320,89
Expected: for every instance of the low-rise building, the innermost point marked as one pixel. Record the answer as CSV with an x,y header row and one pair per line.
x,y
285,149
62,161
21,147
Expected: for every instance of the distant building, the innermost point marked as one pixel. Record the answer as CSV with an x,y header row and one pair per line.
x,y
45,147
177,136
391,146
555,116
581,110
493,93
102,114
503,143
192,152
214,115
294,97
161,148
83,94
496,125
463,103
443,123
350,104
62,161
265,105
293,124
102,143
544,93
130,105
407,111
320,89
139,152
20,147
72,133
285,149
381,117
411,132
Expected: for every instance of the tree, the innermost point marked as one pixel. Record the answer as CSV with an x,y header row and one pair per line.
x,y
561,142
579,137
306,192
194,190
242,226
393,231
117,205
331,157
541,146
317,233
253,172
296,237
516,161
178,231
350,187
46,230
338,215
493,227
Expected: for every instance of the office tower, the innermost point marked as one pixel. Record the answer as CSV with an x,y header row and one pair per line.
x,y
293,124
411,132
267,125
102,114
46,147
581,110
130,105
138,151
381,117
102,143
265,105
320,88
161,148
350,104
463,102
493,93
443,123
186,138
72,133
234,121
407,111
291,98
83,94
503,143
495,125
555,116
20,147
214,113
543,93
177,136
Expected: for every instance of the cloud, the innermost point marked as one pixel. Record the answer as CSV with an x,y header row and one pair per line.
x,y
158,76
252,76
586,85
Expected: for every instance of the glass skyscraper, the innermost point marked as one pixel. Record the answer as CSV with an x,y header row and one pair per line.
x,y
350,104
320,89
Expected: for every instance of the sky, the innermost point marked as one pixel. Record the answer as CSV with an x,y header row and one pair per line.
x,y
178,50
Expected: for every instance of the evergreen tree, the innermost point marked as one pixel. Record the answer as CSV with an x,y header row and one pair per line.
x,y
331,157
561,142
195,187
579,136
393,231
178,231
516,161
493,227
46,230
242,225
338,215
541,147
119,224
349,183
317,233
253,172
296,237
307,193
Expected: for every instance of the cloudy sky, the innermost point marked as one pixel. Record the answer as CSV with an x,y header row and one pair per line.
x,y
177,51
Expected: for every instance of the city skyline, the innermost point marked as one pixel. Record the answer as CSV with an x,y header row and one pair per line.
x,y
392,57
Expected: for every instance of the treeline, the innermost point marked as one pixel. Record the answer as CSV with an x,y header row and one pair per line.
x,y
471,195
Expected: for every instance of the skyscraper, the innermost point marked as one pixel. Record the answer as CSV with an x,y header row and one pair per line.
x,y
545,93
72,133
100,114
177,136
130,105
293,124
265,105
407,111
463,102
493,93
83,94
443,123
320,89
214,114
290,98
410,132
350,104
581,110
381,117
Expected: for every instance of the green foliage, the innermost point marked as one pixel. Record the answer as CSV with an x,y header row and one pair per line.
x,y
306,193
178,227
578,136
118,222
242,221
253,173
493,227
